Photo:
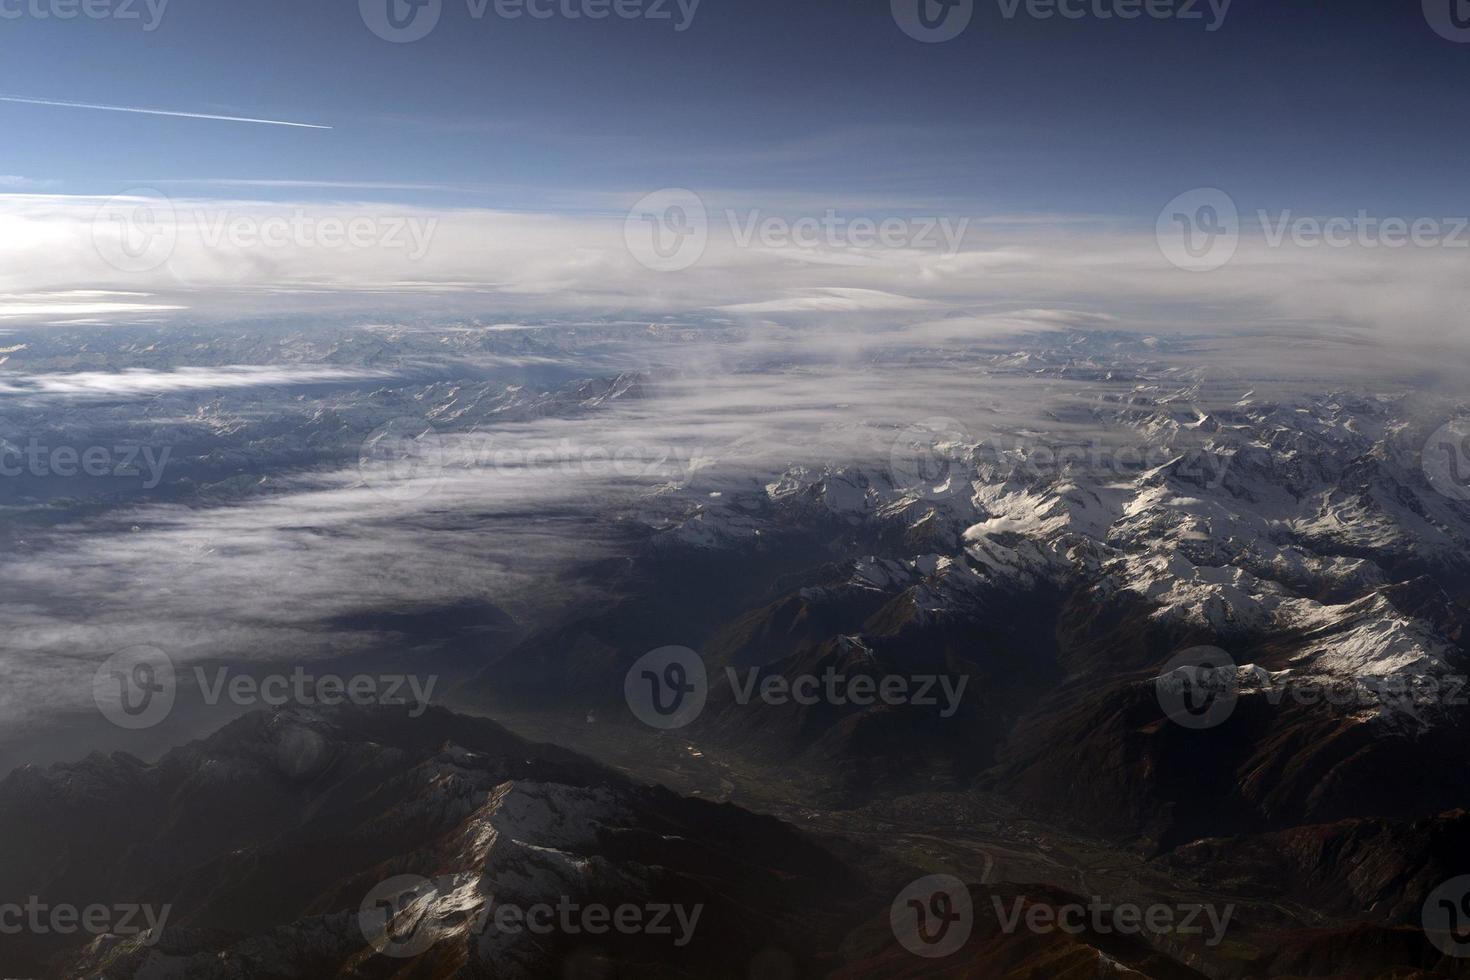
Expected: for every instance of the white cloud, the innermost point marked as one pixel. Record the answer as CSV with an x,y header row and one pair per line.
x,y
139,382
531,264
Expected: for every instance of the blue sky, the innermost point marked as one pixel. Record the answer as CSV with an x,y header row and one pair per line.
x,y
1310,105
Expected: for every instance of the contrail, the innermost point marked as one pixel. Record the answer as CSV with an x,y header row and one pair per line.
x,y
160,112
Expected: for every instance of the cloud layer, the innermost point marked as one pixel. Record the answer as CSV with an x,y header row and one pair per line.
x,y
60,262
